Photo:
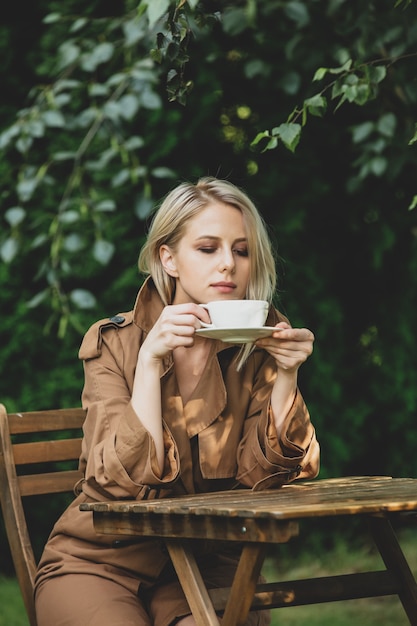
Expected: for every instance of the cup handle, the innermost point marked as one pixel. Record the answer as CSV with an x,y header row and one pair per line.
x,y
204,324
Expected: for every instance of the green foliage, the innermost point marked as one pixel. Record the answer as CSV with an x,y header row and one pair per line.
x,y
103,81
13,611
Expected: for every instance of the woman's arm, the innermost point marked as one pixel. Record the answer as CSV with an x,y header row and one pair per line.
x,y
279,442
174,328
290,348
146,402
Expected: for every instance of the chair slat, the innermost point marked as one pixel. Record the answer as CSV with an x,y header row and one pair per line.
x,y
46,451
43,421
14,451
53,482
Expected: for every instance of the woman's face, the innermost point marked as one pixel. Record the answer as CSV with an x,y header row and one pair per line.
x,y
211,261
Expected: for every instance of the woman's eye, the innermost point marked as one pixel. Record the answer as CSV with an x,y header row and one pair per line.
x,y
242,251
207,250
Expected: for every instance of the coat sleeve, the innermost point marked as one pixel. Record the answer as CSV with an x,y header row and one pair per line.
x,y
265,460
118,454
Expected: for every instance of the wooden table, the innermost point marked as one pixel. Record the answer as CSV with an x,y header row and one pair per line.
x,y
260,518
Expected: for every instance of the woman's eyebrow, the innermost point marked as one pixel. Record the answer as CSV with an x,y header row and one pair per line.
x,y
214,238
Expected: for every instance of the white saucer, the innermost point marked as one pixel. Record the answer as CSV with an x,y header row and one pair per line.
x,y
237,335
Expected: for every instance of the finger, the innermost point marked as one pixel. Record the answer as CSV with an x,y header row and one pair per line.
x,y
188,309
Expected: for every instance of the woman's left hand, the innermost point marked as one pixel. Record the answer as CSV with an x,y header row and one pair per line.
x,y
290,347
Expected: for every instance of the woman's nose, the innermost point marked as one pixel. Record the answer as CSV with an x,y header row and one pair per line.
x,y
227,261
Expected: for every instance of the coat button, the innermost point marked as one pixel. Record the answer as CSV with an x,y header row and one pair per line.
x,y
117,319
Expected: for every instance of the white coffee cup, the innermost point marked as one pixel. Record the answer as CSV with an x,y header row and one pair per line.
x,y
236,313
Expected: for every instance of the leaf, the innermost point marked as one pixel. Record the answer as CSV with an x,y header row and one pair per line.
x,y
100,54
298,12
38,241
291,83
363,94
155,10
53,118
150,100
68,52
116,79
138,172
24,143
105,206
7,135
377,73
234,21
35,128
387,124
51,18
120,178
9,249
337,88
37,299
378,165
413,203
342,69
362,131
103,251
62,99
113,110
316,105
133,32
65,83
290,135
134,142
129,105
97,90
259,137
83,298
73,243
86,117
69,217
143,207
63,156
320,73
15,215
414,137
78,24
162,172
25,188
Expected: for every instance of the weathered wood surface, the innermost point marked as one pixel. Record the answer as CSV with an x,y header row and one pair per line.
x,y
319,498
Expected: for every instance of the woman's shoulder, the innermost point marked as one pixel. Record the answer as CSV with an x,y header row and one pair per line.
x,y
91,344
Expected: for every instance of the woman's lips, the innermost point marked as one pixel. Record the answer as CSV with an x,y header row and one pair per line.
x,y
224,287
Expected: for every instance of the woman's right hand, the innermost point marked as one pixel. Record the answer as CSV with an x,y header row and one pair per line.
x,y
175,327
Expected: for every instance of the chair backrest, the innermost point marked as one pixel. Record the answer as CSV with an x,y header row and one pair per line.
x,y
28,442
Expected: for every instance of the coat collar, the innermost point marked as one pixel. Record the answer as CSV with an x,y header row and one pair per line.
x,y
148,306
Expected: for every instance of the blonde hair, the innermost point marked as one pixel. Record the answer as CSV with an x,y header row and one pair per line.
x,y
169,224
171,219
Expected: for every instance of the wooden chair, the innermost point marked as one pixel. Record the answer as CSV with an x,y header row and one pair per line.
x,y
28,441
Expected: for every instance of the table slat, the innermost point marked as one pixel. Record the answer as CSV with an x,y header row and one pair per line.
x,y
345,496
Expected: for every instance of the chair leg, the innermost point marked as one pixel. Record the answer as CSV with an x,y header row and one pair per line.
x,y
396,563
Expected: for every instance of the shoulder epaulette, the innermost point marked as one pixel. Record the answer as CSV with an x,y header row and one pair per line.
x,y
91,345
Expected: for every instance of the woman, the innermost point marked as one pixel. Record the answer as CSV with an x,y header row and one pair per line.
x,y
171,412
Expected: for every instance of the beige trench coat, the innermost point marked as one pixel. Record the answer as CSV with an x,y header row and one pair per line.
x,y
222,438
